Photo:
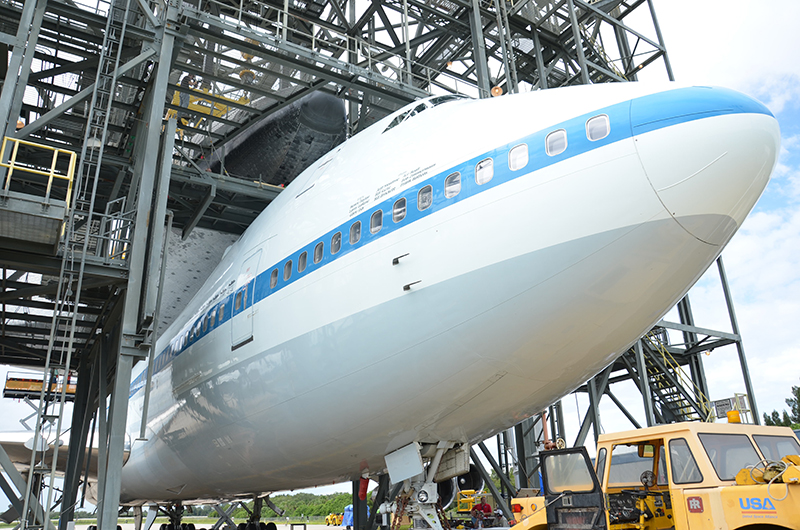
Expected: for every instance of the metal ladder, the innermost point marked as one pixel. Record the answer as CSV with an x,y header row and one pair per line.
x,y
74,247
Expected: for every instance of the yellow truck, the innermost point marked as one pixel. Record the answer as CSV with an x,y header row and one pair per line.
x,y
680,476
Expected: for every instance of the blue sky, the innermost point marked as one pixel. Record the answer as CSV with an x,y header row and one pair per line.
x,y
751,47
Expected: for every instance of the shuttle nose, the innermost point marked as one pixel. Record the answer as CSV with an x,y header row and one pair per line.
x,y
708,154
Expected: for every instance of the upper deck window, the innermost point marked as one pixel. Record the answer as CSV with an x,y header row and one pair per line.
x,y
318,251
425,198
302,262
287,270
729,453
376,222
556,142
355,232
336,243
399,210
452,185
597,128
273,279
484,171
518,157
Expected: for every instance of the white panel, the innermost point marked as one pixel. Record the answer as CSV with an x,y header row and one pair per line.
x,y
404,463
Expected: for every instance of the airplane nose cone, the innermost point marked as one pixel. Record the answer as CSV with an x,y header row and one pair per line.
x,y
708,154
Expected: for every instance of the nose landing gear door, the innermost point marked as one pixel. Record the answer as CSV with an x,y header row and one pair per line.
x,y
243,298
572,493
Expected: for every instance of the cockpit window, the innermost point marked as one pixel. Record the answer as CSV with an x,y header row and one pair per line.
x,y
433,102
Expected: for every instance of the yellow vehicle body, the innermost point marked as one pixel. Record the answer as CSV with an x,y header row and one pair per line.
x,y
200,102
705,476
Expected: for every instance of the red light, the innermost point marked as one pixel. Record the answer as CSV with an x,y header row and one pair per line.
x,y
516,508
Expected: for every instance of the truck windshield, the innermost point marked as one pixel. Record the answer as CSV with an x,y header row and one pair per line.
x,y
776,447
729,453
567,472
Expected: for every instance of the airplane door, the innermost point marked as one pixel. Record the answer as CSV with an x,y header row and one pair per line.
x,y
242,320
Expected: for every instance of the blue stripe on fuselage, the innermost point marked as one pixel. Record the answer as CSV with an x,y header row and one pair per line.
x,y
627,119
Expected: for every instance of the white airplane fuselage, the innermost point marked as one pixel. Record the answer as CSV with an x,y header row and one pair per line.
x,y
460,319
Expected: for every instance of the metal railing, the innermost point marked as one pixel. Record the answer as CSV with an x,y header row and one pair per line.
x,y
52,173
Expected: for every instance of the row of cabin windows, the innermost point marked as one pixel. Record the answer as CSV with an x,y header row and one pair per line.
x,y
597,128
205,323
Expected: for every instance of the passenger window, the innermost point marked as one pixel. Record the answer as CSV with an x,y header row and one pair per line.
x,y
425,198
287,270
355,232
205,324
681,460
518,157
273,279
452,185
212,319
484,171
336,242
597,128
556,142
302,261
399,210
318,250
376,222
221,312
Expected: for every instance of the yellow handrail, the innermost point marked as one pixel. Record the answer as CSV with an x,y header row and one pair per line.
x,y
51,174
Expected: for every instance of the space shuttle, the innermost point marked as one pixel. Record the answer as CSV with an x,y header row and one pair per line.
x,y
437,278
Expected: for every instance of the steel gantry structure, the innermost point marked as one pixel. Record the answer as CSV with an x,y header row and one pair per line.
x,y
97,170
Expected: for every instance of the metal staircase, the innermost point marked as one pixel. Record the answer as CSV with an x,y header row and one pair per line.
x,y
677,397
80,238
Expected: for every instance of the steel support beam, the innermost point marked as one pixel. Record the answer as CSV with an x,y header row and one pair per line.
x,y
644,384
130,342
479,50
751,397
497,469
489,483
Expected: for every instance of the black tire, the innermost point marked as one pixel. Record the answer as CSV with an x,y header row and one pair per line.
x,y
241,526
190,526
271,526
163,526
251,526
262,525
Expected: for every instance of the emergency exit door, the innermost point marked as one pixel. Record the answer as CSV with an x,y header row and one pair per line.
x,y
243,294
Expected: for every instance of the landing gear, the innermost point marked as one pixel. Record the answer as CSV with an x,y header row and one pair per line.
x,y
419,497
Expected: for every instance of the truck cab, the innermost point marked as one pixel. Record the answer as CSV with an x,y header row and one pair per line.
x,y
699,475
692,475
